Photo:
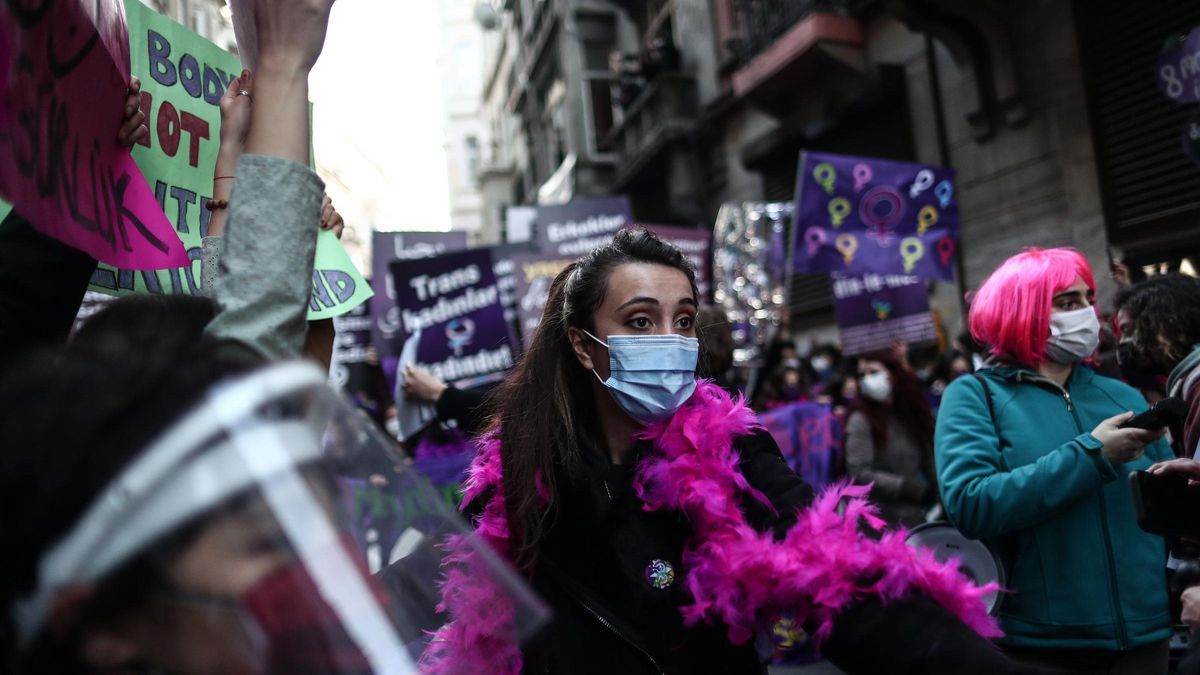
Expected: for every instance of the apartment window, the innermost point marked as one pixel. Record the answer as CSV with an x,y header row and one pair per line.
x,y
471,150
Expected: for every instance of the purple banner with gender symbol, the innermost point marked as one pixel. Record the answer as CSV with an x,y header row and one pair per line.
x,y
810,438
858,215
387,247
876,309
450,308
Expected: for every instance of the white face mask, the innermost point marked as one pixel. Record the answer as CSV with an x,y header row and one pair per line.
x,y
1074,335
876,386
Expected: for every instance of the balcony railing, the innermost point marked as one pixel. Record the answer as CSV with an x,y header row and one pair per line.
x,y
665,111
762,22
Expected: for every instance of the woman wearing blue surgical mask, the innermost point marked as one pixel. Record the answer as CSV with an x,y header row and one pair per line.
x,y
1032,459
659,522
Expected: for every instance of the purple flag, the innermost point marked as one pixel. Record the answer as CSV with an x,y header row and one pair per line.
x,y
858,215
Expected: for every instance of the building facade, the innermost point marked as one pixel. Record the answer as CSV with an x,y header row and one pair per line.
x,y
1048,110
209,18
460,60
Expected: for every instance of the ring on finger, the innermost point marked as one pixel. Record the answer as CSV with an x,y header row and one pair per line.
x,y
243,92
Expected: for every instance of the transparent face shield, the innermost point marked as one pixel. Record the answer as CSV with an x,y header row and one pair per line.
x,y
274,529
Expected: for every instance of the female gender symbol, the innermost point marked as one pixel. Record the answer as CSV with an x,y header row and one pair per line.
x,y
912,250
459,333
944,192
839,208
945,249
862,176
927,217
869,209
825,175
923,182
815,238
847,245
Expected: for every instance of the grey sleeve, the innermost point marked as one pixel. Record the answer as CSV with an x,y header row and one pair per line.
x,y
264,283
860,458
209,260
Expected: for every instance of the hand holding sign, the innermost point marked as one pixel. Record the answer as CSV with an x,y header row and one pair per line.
x,y
133,125
235,114
64,87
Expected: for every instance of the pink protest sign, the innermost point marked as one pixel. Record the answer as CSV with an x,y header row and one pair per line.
x,y
64,68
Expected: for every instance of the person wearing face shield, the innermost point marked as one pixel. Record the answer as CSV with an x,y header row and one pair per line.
x,y
661,523
1032,460
172,504
889,440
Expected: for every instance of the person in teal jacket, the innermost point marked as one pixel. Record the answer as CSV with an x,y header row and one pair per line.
x,y
1031,460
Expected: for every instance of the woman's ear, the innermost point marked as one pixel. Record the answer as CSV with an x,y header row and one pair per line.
x,y
581,344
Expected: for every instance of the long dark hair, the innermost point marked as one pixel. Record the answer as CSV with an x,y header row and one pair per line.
x,y
546,403
908,405
1166,319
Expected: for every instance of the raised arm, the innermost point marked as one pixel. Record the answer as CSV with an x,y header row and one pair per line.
x,y
264,281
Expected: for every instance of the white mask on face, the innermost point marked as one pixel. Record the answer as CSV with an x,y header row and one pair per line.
x,y
876,386
1074,335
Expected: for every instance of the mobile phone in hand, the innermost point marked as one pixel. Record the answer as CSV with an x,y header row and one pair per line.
x,y
1164,413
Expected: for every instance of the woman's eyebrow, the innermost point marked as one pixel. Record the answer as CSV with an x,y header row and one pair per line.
x,y
642,300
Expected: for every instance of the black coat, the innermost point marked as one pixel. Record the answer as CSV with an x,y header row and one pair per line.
x,y
609,618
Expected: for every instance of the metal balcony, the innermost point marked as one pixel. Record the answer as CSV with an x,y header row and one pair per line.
x,y
665,112
762,22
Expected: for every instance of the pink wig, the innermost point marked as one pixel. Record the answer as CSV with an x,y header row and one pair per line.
x,y
1011,311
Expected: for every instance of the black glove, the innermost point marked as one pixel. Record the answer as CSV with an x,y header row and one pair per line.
x,y
913,635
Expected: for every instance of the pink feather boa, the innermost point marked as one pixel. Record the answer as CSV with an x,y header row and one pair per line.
x,y
735,574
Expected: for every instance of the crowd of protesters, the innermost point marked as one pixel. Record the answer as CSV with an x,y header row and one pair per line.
x,y
171,475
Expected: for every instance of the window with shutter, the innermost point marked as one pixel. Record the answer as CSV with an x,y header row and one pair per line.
x,y
1151,190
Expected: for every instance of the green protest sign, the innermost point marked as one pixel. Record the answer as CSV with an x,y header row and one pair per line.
x,y
183,79
337,285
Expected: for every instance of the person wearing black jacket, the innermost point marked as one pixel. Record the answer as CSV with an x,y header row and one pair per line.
x,y
577,484
465,407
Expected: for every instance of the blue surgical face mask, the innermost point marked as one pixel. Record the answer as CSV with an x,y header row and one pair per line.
x,y
650,376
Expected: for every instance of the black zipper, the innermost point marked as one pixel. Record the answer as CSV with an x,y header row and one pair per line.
x,y
1122,631
604,622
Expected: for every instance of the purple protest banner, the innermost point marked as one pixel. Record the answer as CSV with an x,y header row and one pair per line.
x,y
350,368
578,227
64,70
696,245
858,215
387,247
451,306
874,310
1177,71
810,437
534,273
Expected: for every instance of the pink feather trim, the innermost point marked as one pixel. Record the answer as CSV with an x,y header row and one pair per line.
x,y
735,574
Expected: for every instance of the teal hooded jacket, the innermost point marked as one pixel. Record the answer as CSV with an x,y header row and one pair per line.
x,y
1026,476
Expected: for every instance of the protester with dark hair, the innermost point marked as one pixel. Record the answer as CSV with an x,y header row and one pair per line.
x,y
1159,320
1032,460
662,526
889,440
